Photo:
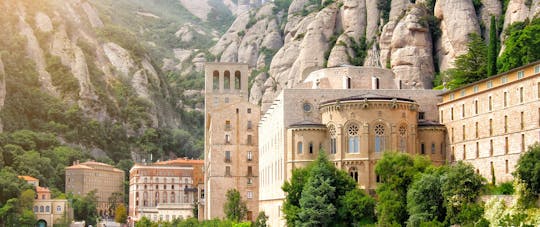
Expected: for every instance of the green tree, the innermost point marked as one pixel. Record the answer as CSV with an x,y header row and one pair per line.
x,y
293,190
425,201
528,169
318,196
461,186
492,48
261,220
10,185
120,214
522,45
235,208
18,211
396,171
469,67
85,207
349,204
144,222
358,206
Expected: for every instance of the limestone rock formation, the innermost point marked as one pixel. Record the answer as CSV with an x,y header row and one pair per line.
x,y
248,36
411,48
353,22
489,8
188,32
458,19
198,8
34,51
43,22
516,11
398,8
93,17
119,57
534,9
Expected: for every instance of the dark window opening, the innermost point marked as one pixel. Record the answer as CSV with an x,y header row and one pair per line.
x,y
421,115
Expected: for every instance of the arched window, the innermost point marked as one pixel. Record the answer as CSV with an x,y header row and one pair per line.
x,y
227,80
379,131
299,148
47,209
311,147
403,138
164,197
237,80
58,208
41,209
36,209
354,140
353,172
332,133
215,80
172,197
348,85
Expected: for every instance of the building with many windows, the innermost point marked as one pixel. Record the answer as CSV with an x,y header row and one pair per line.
x,y
48,211
164,191
230,149
104,179
491,122
357,113
354,114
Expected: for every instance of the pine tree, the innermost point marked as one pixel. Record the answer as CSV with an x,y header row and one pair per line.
x,y
492,48
318,197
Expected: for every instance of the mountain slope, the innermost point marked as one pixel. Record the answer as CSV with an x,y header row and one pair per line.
x,y
417,39
69,70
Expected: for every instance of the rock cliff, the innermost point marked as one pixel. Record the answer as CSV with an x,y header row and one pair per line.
x,y
67,35
416,39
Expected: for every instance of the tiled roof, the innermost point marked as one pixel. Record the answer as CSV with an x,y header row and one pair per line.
x,y
28,178
79,166
42,189
181,161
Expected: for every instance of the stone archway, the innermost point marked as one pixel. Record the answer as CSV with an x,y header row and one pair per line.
x,y
41,223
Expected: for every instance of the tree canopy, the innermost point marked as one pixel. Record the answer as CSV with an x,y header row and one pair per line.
x,y
522,45
396,171
235,208
321,195
528,169
471,66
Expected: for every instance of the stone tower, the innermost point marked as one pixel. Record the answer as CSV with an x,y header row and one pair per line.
x,y
230,149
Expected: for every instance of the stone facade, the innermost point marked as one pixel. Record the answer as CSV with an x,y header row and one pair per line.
x,y
165,190
490,123
48,211
354,114
357,113
230,151
107,181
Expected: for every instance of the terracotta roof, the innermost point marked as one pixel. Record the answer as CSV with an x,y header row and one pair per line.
x,y
92,164
181,161
28,178
42,189
79,166
95,163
